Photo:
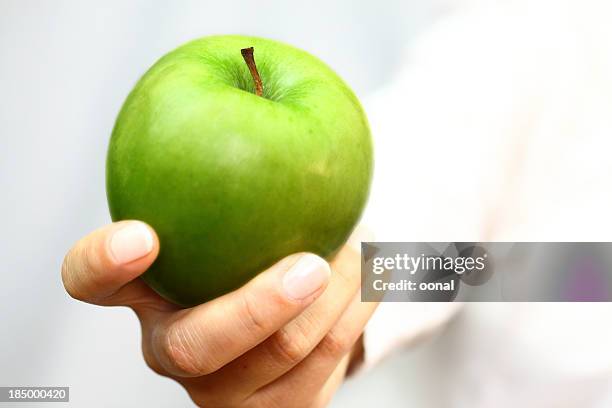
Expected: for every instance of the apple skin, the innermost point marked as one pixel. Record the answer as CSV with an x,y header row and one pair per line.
x,y
232,182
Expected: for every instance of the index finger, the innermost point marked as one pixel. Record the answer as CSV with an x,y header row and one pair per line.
x,y
200,340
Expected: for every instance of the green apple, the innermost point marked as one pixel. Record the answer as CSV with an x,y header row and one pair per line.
x,y
232,181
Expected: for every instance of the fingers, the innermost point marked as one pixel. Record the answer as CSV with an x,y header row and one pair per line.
x,y
107,259
293,342
201,340
311,375
333,383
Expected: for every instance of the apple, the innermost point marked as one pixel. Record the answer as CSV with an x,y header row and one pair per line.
x,y
238,151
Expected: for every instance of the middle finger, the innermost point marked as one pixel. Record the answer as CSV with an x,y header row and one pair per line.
x,y
292,343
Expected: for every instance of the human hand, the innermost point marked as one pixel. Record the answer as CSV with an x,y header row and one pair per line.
x,y
284,339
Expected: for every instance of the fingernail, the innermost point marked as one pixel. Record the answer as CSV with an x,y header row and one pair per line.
x,y
359,235
131,242
306,276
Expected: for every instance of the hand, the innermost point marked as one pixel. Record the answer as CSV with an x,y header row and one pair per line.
x,y
284,339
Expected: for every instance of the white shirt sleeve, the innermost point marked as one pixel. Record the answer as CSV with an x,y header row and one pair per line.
x,y
482,138
396,325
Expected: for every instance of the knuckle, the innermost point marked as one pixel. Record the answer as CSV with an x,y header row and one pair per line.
x,y
335,344
290,347
152,362
148,353
178,349
251,316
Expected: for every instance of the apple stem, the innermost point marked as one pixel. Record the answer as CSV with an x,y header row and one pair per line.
x,y
247,54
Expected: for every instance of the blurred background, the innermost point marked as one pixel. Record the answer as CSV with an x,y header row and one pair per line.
x,y
491,121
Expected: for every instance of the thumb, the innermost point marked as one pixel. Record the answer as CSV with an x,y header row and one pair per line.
x,y
108,258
